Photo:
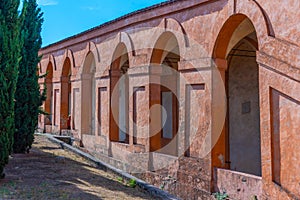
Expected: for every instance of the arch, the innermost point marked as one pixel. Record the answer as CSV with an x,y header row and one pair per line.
x,y
172,25
69,54
226,39
91,48
52,60
89,65
268,24
119,90
119,56
164,128
165,44
88,96
121,42
169,28
66,69
48,101
127,41
65,110
50,71
258,17
235,58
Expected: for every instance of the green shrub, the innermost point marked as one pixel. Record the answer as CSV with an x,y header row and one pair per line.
x,y
132,183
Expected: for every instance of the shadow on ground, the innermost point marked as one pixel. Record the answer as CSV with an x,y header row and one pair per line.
x,y
49,172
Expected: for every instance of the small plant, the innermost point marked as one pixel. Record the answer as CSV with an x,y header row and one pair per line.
x,y
132,183
120,179
220,196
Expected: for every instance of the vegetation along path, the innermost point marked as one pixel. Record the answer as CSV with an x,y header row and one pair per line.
x,y
50,172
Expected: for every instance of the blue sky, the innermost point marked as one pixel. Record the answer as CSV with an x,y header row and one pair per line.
x,y
64,18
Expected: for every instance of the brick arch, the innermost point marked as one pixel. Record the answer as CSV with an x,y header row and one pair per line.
x,y
49,70
127,41
174,26
67,67
164,44
120,52
122,44
226,33
219,56
89,61
69,55
44,65
234,30
49,86
120,62
91,48
88,86
52,60
268,25
166,51
65,110
243,10
257,15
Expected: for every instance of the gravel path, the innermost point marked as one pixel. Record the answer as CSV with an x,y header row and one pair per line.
x,y
50,172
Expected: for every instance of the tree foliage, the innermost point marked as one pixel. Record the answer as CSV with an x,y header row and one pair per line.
x,y
28,97
9,60
20,97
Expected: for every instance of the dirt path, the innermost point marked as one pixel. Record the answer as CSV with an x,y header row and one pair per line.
x,y
49,172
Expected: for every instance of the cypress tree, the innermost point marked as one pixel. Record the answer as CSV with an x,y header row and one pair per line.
x,y
9,60
28,97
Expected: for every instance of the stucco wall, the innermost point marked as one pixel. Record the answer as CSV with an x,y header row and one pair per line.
x,y
204,30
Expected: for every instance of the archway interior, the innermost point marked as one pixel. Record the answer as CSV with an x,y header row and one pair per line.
x,y
119,92
65,110
238,147
243,117
48,102
164,92
88,95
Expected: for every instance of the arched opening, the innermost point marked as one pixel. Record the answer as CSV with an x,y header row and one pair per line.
x,y
119,86
65,110
164,93
243,108
88,95
238,148
48,102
